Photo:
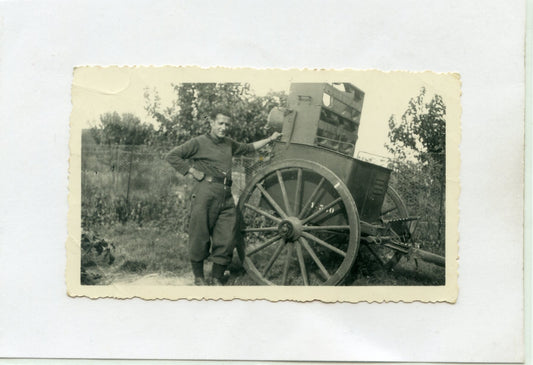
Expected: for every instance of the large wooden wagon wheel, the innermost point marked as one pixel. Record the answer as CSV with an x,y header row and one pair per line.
x,y
393,208
300,225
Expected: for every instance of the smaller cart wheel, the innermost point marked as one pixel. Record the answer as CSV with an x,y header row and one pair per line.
x,y
393,208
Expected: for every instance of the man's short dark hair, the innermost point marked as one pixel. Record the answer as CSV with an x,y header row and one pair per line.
x,y
218,111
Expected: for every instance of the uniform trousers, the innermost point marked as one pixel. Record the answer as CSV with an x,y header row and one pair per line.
x,y
212,227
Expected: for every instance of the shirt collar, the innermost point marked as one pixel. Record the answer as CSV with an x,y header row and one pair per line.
x,y
215,139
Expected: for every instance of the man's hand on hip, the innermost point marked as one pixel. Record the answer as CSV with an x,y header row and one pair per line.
x,y
196,174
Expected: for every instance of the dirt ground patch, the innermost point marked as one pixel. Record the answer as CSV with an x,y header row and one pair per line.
x,y
153,280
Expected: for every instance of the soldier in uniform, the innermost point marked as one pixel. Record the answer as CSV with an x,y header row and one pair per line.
x,y
213,220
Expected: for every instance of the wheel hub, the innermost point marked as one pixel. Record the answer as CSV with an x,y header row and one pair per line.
x,y
290,228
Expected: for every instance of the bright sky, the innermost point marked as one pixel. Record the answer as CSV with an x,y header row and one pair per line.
x,y
98,90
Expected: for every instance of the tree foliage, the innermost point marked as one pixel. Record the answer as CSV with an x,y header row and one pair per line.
x,y
188,116
421,133
418,144
125,129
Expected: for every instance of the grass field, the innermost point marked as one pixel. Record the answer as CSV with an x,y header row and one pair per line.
x,y
150,255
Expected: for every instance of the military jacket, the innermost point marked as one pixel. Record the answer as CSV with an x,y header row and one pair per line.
x,y
208,154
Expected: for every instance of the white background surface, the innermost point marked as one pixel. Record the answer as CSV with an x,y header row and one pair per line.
x,y
41,42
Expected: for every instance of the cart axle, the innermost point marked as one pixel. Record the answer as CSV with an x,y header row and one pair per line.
x,y
404,249
290,228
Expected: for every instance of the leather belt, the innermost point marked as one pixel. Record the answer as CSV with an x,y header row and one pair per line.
x,y
219,180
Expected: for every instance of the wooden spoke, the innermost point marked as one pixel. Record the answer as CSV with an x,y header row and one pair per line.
x,y
303,269
324,243
321,211
325,228
273,259
260,229
287,264
315,258
396,235
262,212
272,202
267,243
298,193
311,198
389,210
284,192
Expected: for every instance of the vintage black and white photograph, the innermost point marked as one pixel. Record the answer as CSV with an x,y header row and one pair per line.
x,y
265,181
292,181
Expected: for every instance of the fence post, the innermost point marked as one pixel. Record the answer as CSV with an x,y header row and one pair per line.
x,y
129,180
115,165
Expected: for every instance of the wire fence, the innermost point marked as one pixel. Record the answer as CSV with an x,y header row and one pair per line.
x,y
135,183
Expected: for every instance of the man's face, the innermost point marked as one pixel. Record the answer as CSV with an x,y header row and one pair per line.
x,y
220,125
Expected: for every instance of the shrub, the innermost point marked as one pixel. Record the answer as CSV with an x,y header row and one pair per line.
x,y
96,252
134,185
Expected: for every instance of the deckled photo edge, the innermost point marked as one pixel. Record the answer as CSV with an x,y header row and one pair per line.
x,y
445,293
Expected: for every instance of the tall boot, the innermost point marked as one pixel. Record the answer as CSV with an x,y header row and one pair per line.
x,y
198,272
218,274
